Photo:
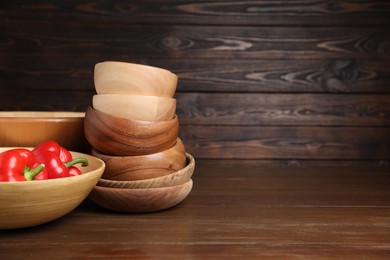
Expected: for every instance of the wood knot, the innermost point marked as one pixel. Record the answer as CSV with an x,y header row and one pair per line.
x,y
172,43
125,8
338,75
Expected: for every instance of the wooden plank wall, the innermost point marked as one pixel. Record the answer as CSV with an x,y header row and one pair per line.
x,y
298,82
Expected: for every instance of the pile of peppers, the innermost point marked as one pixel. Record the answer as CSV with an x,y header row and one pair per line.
x,y
48,160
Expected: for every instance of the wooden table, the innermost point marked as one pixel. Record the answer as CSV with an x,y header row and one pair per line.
x,y
233,211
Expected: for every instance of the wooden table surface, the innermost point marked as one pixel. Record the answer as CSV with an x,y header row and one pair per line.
x,y
233,211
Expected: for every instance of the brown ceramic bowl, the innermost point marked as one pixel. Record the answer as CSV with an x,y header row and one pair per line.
x,y
130,168
113,77
118,136
30,128
136,107
140,200
31,203
172,179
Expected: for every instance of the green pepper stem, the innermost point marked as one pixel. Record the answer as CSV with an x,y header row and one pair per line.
x,y
30,174
84,162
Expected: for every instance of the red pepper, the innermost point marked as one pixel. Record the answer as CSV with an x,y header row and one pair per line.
x,y
55,167
15,166
32,162
53,146
64,156
74,171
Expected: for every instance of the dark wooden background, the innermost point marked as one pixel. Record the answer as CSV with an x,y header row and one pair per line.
x,y
269,82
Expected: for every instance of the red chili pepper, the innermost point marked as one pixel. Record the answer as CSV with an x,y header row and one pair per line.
x,y
15,166
55,167
53,146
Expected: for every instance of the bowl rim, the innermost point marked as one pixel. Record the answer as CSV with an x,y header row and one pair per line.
x,y
132,64
39,115
91,109
136,96
70,178
142,190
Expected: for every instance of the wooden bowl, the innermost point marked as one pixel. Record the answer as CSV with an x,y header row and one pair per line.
x,y
118,136
31,203
140,200
172,179
113,77
30,128
133,107
130,168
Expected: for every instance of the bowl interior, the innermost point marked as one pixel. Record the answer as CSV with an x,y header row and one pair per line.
x,y
25,204
30,128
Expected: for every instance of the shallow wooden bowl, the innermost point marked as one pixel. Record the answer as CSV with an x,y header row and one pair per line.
x,y
30,128
135,107
31,203
113,77
118,136
172,179
130,168
140,200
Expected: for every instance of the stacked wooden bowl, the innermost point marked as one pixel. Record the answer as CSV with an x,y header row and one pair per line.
x,y
133,127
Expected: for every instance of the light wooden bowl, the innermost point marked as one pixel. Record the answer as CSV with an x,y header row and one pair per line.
x,y
30,128
133,107
113,77
172,179
31,203
118,136
130,168
140,200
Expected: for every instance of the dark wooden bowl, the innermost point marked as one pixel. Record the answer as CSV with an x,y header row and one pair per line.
x,y
118,136
131,168
140,200
176,178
